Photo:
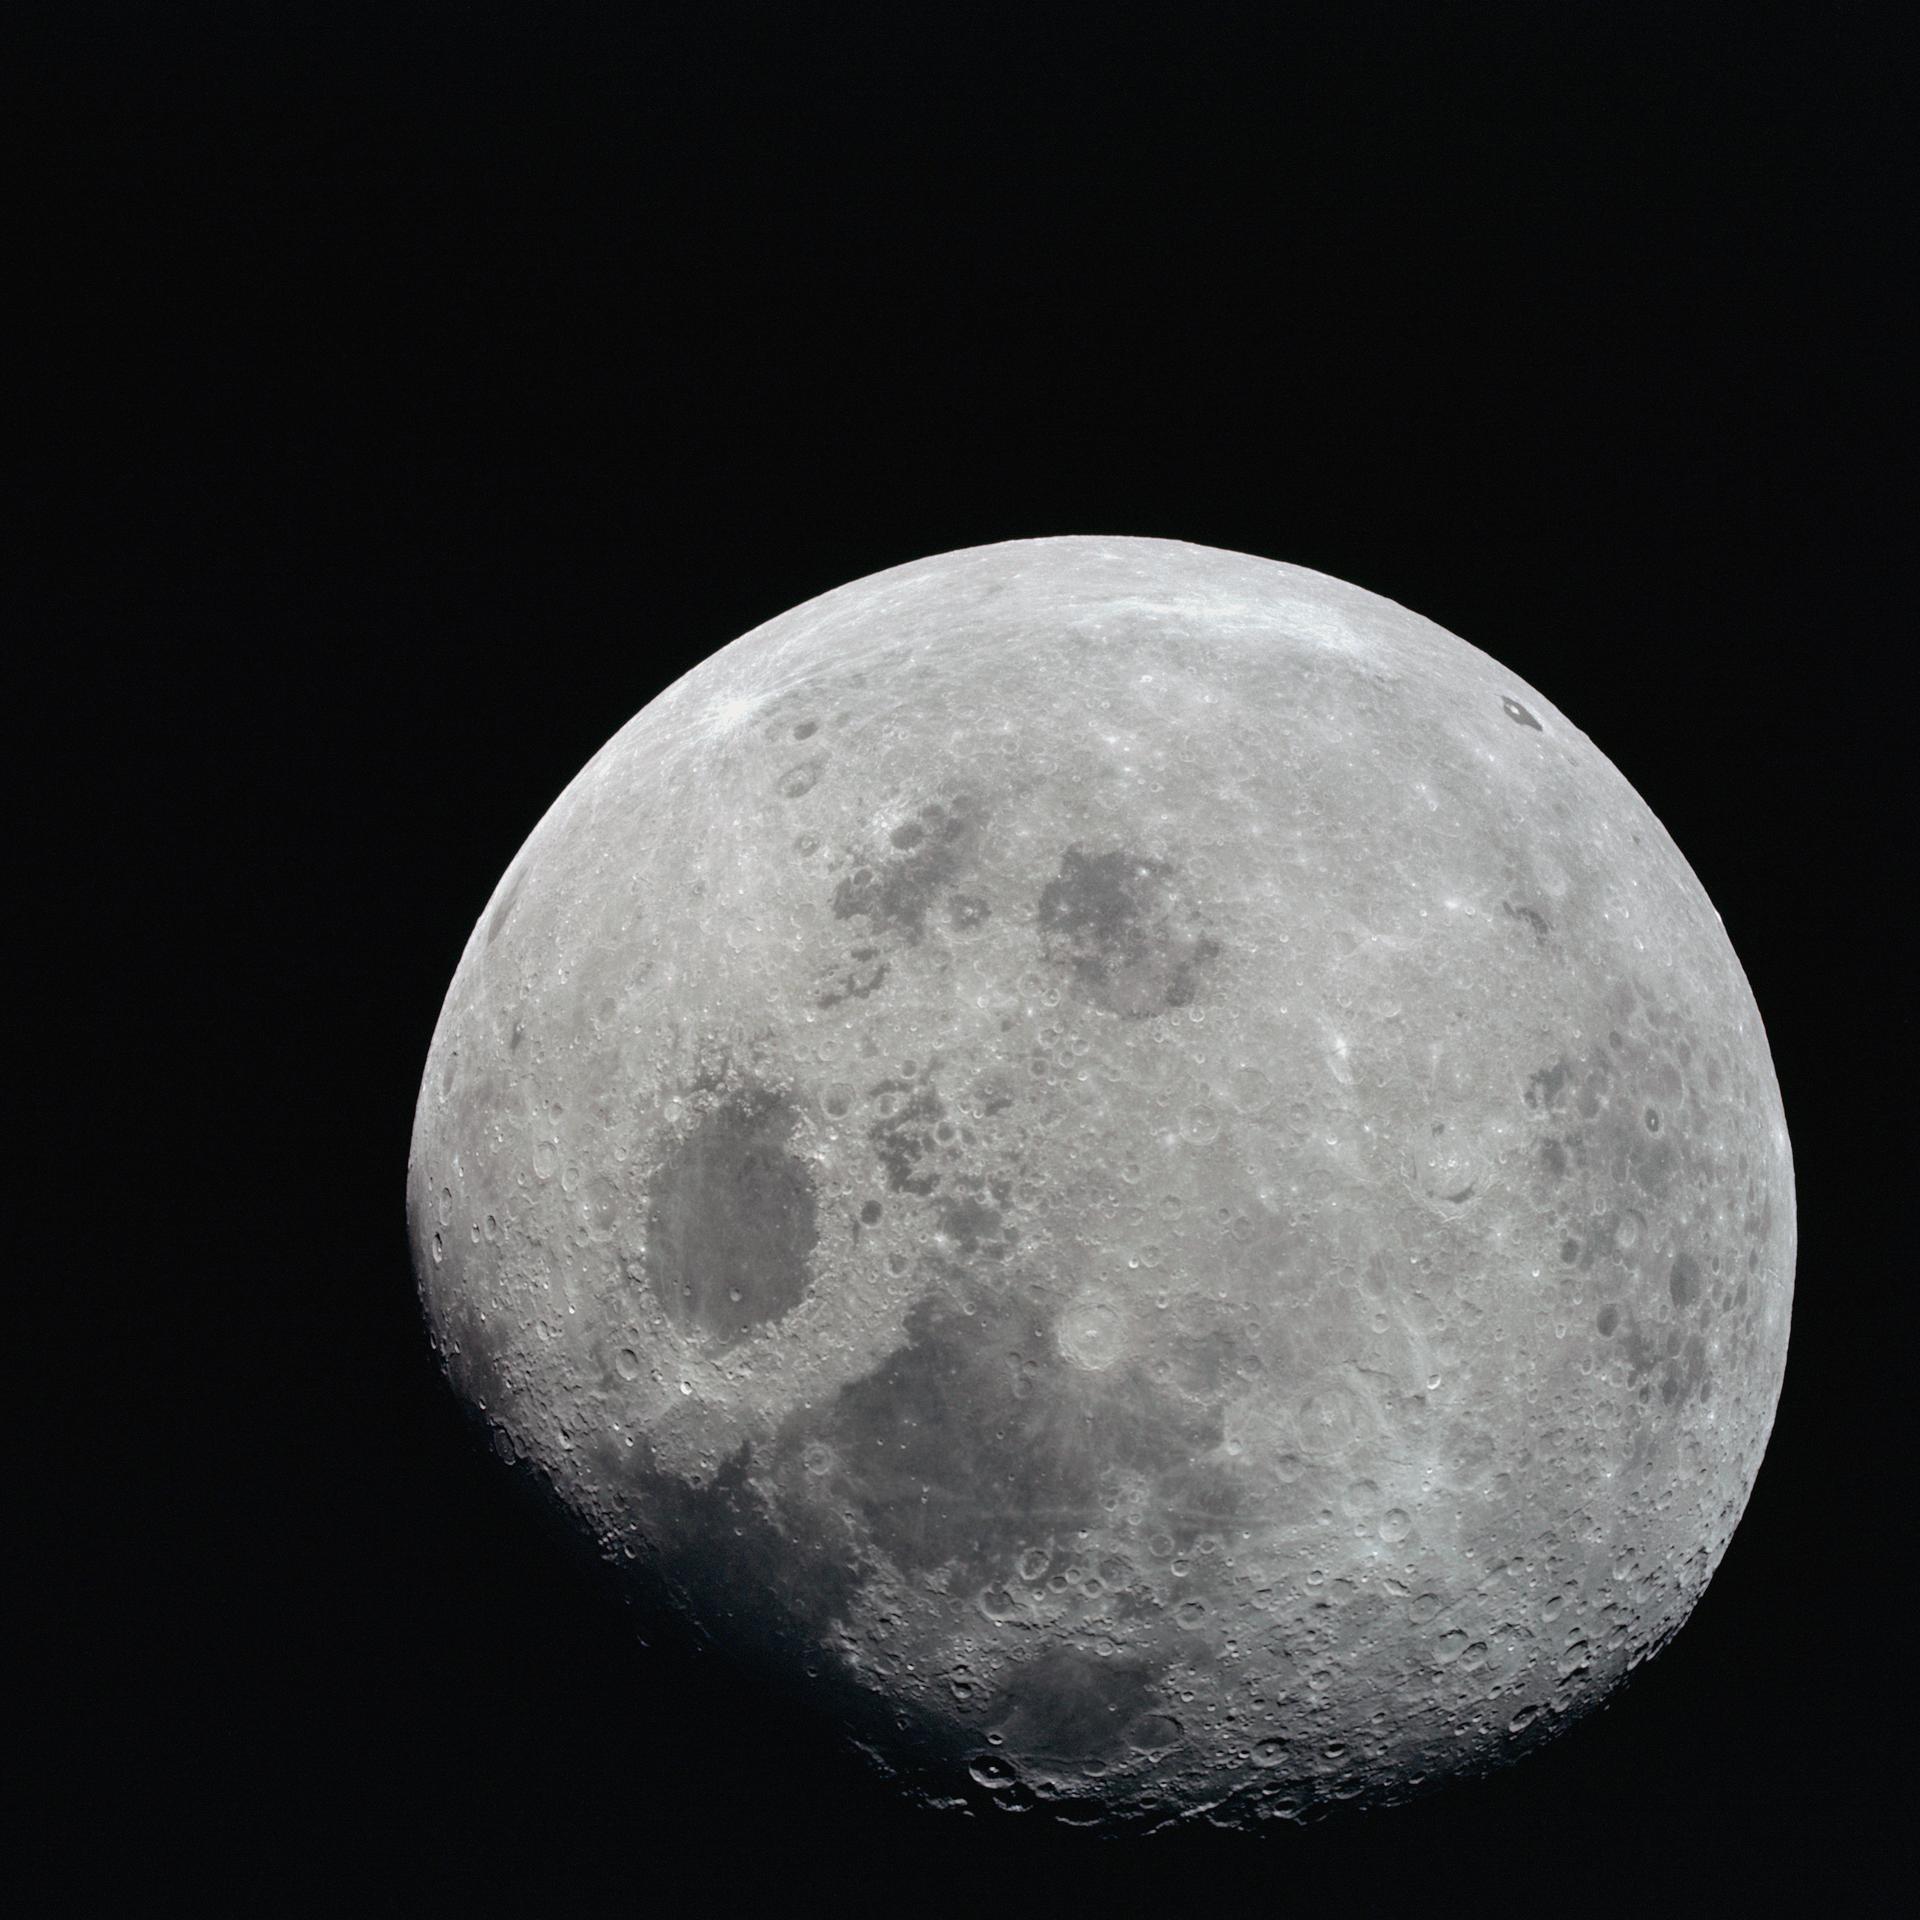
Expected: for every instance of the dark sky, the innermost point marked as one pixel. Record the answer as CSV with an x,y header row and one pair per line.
x,y
411,397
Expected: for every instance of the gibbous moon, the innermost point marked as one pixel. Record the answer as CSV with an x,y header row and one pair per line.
x,y
1131,1167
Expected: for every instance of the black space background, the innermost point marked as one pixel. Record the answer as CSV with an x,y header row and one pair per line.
x,y
414,395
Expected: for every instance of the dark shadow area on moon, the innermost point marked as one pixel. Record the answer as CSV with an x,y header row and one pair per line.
x,y
973,1442
895,895
891,895
732,1220
1067,1705
761,1587
1125,931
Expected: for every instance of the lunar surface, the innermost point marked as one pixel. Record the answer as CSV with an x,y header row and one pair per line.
x,y
1133,1168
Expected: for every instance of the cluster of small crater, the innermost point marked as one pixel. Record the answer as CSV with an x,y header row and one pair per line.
x,y
892,897
1619,1154
920,1149
1122,926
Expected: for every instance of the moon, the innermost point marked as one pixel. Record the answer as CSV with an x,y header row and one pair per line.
x,y
1132,1168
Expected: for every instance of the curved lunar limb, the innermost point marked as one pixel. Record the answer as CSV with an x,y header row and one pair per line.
x,y
1131,1166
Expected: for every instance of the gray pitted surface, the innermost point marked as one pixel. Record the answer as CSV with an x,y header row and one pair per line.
x,y
1133,1164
